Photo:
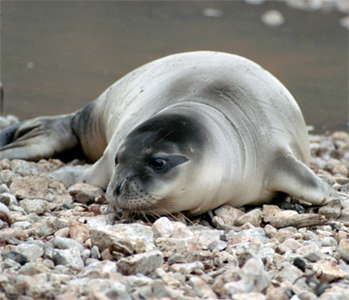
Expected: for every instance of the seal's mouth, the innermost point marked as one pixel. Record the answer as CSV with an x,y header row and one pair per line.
x,y
130,196
137,204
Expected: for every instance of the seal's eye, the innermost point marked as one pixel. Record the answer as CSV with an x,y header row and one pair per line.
x,y
165,164
157,163
116,159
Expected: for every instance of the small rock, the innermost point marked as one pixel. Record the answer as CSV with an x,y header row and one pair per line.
x,y
289,272
187,268
289,245
345,22
39,187
8,199
140,263
284,218
5,164
300,263
272,211
201,288
64,232
341,180
5,214
85,193
204,237
142,280
12,236
344,215
343,249
253,217
255,2
332,209
85,254
6,176
255,235
30,250
335,293
95,252
68,257
310,252
3,187
15,256
307,295
328,271
228,214
277,292
168,244
21,225
8,120
32,268
181,231
36,206
248,296
335,166
105,266
47,225
270,230
328,241
124,239
273,18
66,243
24,168
79,232
253,278
103,289
70,293
217,245
162,227
212,12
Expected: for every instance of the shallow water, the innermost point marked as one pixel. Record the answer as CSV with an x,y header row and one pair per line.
x,y
59,55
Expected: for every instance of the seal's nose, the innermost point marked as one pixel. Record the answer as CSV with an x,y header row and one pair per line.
x,y
120,187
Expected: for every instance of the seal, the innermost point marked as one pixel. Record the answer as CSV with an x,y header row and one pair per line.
x,y
187,132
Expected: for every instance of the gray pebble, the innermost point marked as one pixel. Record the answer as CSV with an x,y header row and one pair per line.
x,y
36,206
68,257
66,243
31,250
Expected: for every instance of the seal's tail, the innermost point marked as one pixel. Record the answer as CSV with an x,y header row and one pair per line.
x,y
34,139
7,135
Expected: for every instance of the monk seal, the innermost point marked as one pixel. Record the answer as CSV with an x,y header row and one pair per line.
x,y
187,132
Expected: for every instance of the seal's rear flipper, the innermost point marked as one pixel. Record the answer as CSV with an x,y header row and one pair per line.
x,y
7,135
293,177
38,138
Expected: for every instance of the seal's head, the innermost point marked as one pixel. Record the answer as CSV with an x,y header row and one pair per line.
x,y
153,167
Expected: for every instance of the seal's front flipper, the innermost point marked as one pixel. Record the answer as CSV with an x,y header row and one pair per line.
x,y
38,138
291,176
97,174
70,175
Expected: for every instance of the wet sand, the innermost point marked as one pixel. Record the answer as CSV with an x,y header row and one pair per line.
x,y
59,55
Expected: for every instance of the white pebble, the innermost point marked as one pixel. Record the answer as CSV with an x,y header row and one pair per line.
x,y
273,18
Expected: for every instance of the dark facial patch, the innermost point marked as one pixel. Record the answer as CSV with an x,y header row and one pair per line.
x,y
164,137
161,131
153,150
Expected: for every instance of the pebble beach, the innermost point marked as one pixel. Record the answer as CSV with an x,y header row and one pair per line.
x,y
59,242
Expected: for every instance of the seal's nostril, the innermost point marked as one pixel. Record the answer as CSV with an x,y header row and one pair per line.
x,y
120,187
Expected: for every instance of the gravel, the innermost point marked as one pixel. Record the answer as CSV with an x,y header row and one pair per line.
x,y
56,242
